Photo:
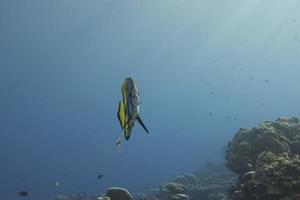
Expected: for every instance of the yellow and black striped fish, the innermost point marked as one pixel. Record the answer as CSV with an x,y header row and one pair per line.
x,y
129,107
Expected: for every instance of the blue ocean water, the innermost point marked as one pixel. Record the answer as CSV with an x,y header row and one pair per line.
x,y
203,69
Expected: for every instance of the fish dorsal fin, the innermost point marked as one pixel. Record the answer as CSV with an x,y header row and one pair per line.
x,y
141,123
124,90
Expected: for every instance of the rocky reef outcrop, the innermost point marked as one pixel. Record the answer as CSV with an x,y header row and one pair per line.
x,y
78,196
266,158
118,193
112,193
210,183
276,177
263,163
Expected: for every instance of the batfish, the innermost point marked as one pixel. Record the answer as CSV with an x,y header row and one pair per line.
x,y
128,111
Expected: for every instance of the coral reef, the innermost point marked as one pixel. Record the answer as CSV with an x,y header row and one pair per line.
x,y
118,193
78,196
266,158
263,164
211,183
179,197
276,177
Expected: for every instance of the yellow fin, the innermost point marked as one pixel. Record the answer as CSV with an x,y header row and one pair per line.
x,y
124,93
122,114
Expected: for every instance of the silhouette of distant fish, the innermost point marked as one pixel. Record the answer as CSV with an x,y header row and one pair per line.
x,y
99,176
23,193
118,141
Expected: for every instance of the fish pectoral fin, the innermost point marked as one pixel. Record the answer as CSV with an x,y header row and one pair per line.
x,y
141,123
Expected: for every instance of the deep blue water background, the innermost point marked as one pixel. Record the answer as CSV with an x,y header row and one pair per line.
x,y
62,64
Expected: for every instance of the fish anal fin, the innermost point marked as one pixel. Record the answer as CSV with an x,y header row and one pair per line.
x,y
142,123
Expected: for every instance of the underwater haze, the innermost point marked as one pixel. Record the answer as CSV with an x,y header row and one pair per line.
x,y
203,69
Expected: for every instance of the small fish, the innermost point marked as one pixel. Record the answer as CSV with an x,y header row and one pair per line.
x,y
57,184
267,81
118,141
249,165
210,114
99,176
23,193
